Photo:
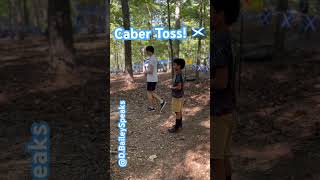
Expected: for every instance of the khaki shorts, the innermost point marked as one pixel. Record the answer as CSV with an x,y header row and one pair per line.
x,y
222,136
177,104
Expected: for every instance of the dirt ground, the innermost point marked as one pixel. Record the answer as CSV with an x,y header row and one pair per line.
x,y
278,134
184,155
75,113
277,137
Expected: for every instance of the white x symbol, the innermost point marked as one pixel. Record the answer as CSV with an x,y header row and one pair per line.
x,y
197,32
286,21
265,17
310,24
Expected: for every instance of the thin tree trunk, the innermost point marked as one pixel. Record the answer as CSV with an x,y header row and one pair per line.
x,y
127,44
178,26
25,13
199,40
204,25
280,33
150,16
108,38
20,19
142,56
10,19
61,48
170,41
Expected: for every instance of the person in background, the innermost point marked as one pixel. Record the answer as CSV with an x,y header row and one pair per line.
x,y
226,12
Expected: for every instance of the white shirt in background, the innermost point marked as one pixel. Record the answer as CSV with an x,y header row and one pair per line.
x,y
154,76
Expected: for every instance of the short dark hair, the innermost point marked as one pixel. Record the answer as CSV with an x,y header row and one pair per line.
x,y
150,49
231,9
180,62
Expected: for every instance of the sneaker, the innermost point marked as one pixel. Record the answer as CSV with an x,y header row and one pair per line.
x,y
174,128
163,104
151,109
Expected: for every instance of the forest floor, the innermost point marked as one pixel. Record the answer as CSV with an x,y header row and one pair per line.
x,y
277,137
75,113
184,155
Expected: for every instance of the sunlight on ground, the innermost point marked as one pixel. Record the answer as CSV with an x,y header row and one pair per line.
x,y
114,116
205,123
263,157
188,113
192,111
196,164
202,99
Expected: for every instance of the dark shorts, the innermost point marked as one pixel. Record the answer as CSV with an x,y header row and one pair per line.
x,y
151,86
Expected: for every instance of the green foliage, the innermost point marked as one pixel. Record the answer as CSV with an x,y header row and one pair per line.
x,y
4,8
144,11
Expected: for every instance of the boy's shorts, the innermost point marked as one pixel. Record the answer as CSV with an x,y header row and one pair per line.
x,y
177,104
222,136
151,86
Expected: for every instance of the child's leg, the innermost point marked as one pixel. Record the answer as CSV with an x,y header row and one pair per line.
x,y
178,115
150,98
156,96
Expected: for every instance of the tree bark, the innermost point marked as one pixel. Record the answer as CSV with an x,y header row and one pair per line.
x,y
10,19
127,44
61,50
25,13
178,26
108,39
199,40
280,33
170,41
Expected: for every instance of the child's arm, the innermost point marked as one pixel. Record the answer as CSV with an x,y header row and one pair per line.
x,y
177,87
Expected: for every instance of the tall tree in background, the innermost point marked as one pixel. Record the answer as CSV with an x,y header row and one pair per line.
x,y
170,41
199,40
61,48
11,21
280,33
178,26
108,36
127,44
25,13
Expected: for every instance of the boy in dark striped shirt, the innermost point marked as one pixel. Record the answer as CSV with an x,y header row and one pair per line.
x,y
177,94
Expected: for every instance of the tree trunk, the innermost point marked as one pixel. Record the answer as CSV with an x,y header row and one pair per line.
x,y
36,13
199,40
10,19
25,13
170,41
19,19
150,16
280,33
142,56
108,39
204,25
178,26
127,44
304,9
61,48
